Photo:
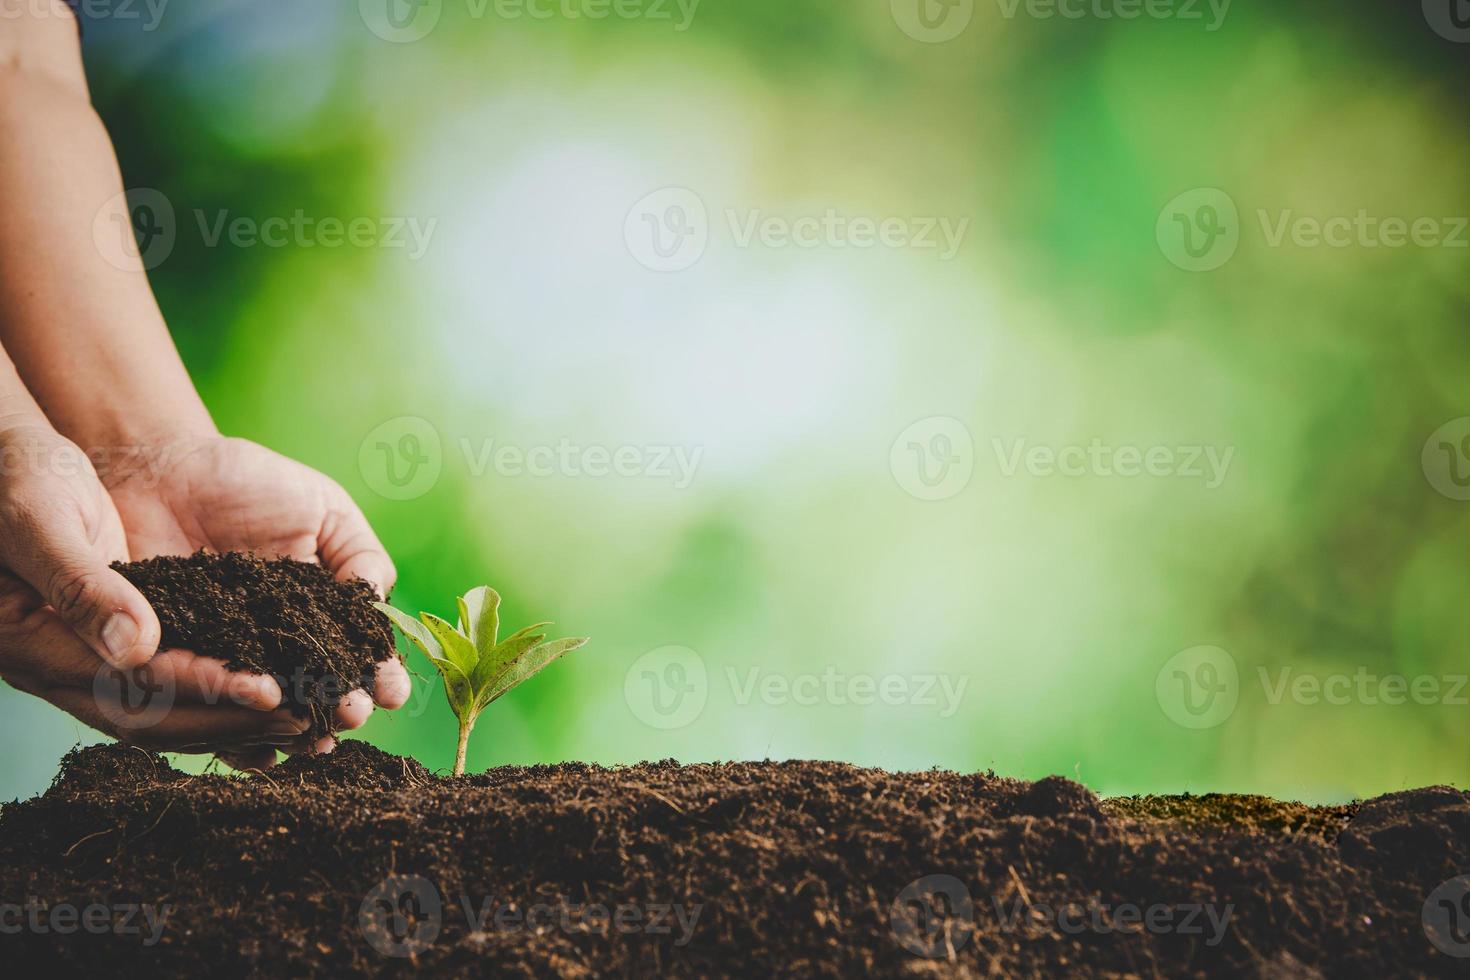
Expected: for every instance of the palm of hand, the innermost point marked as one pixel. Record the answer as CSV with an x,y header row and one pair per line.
x,y
224,495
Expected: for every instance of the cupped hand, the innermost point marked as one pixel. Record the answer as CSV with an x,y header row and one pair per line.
x,y
77,634
233,495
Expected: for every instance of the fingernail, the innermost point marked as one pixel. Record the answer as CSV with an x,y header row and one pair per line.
x,y
119,635
324,746
294,726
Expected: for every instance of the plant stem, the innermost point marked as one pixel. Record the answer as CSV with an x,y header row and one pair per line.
x,y
465,727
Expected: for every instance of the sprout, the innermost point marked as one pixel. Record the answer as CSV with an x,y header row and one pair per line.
x,y
476,665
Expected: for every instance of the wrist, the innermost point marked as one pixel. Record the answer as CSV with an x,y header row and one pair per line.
x,y
132,424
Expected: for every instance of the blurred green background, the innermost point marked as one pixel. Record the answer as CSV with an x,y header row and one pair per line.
x,y
805,554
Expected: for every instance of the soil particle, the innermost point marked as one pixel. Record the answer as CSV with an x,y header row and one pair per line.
x,y
320,638
363,864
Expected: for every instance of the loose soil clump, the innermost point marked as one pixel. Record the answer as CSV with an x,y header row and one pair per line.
x,y
361,863
320,638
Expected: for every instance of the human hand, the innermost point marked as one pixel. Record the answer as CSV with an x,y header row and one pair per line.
x,y
232,495
72,629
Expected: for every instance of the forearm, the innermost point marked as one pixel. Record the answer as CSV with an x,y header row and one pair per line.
x,y
77,314
17,408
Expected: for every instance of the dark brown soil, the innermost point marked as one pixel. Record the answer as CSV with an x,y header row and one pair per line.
x,y
346,864
318,637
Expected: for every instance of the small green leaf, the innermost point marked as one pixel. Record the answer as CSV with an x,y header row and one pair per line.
x,y
479,617
532,663
524,632
501,657
412,629
457,646
457,689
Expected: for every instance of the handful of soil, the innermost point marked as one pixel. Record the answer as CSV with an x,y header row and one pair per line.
x,y
318,637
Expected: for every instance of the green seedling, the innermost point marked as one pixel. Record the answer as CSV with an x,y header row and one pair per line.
x,y
477,666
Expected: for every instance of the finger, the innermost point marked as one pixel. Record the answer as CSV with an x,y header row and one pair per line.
x,y
47,546
60,659
354,710
351,549
310,746
208,681
167,727
391,685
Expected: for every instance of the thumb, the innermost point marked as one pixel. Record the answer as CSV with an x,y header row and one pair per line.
x,y
103,608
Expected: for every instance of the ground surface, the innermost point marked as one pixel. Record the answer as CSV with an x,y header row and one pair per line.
x,y
363,863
